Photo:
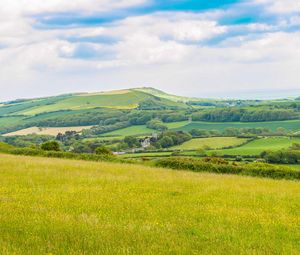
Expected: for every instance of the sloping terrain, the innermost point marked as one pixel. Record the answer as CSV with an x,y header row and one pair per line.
x,y
86,109
53,206
121,99
28,113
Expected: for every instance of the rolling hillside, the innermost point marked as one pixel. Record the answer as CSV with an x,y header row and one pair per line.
x,y
26,113
121,99
54,206
92,109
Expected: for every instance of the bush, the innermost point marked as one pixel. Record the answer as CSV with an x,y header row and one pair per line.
x,y
50,146
200,152
156,124
61,154
131,141
282,156
219,166
103,151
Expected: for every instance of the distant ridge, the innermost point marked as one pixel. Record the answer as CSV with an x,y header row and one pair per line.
x,y
115,99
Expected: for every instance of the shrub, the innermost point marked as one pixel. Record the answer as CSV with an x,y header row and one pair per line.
x,y
103,151
50,146
156,124
218,166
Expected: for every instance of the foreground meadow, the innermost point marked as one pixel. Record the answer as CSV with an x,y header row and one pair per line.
x,y
75,207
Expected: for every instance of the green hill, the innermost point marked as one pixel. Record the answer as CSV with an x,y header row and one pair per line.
x,y
18,114
120,99
162,94
137,106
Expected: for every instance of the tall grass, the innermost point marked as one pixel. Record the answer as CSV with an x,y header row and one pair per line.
x,y
55,206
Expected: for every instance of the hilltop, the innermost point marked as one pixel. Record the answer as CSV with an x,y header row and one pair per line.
x,y
117,99
23,113
135,106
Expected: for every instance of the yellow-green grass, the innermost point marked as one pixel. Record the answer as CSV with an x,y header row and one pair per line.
x,y
162,94
260,145
10,121
130,131
212,142
146,154
174,125
53,206
296,167
121,100
46,130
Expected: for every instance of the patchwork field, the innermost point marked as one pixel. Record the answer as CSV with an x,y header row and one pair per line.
x,y
121,99
52,206
130,131
213,143
10,121
46,130
292,125
175,125
260,145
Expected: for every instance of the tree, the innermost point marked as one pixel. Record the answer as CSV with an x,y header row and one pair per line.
x,y
199,133
156,124
102,150
131,141
50,146
166,142
295,146
201,152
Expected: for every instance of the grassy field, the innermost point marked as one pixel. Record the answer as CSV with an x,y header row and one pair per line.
x,y
52,206
122,99
46,130
174,125
146,154
296,167
10,121
133,130
87,101
258,146
292,125
141,130
213,142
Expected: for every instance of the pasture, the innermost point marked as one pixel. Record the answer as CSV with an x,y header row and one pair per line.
x,y
121,99
46,130
292,125
86,101
53,206
130,131
212,142
175,125
257,146
10,121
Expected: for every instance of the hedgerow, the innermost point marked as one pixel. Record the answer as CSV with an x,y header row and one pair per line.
x,y
213,166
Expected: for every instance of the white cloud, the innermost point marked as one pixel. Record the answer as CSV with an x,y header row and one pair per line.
x,y
28,7
160,49
146,49
181,27
281,6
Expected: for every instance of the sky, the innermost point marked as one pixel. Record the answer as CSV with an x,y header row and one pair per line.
x,y
200,48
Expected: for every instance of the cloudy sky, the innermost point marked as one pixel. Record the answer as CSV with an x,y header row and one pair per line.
x,y
216,48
